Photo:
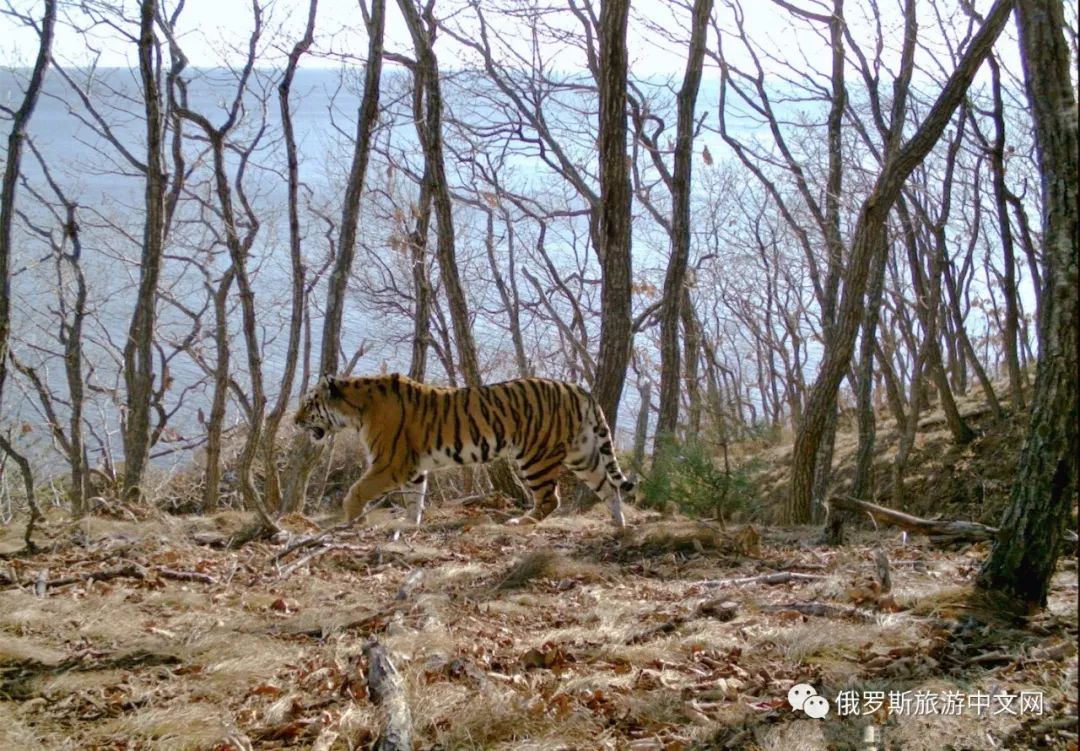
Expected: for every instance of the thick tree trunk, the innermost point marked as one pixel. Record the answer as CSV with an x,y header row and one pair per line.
x,y
614,221
1024,556
692,353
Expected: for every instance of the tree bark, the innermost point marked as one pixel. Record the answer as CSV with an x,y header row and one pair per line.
x,y
1024,556
1011,326
138,350
863,484
614,225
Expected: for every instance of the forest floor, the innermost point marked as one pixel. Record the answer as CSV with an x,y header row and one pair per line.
x,y
672,634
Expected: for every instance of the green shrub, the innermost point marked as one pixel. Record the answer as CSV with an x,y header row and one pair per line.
x,y
691,477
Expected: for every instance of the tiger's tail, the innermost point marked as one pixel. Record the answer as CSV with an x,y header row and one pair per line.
x,y
594,461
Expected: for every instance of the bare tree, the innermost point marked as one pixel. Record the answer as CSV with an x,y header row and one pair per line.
x,y
872,215
303,454
275,498
429,131
138,350
680,185
241,227
20,119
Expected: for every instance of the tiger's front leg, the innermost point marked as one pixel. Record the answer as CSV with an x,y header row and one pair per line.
x,y
375,483
417,488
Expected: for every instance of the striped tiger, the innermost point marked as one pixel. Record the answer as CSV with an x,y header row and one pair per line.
x,y
409,428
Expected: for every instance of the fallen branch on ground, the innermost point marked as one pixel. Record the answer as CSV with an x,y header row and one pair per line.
x,y
781,577
821,609
307,542
940,531
387,689
129,570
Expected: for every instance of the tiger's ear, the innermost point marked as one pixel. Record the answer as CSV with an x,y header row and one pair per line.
x,y
333,385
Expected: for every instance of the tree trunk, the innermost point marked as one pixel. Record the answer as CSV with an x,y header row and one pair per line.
x,y
367,117
1025,553
681,179
275,499
215,425
429,132
138,350
641,428
507,295
1011,326
614,222
418,250
12,164
863,484
692,348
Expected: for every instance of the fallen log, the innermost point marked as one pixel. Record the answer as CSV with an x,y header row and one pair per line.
x,y
387,689
940,531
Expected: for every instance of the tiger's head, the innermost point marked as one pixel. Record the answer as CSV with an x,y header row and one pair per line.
x,y
324,408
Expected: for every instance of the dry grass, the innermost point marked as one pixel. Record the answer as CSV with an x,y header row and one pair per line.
x,y
554,636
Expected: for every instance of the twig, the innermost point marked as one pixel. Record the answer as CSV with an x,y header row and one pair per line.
x,y
131,570
185,576
288,570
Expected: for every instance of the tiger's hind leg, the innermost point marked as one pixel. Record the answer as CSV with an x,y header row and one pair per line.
x,y
541,477
595,465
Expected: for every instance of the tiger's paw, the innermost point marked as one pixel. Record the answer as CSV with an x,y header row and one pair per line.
x,y
526,519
